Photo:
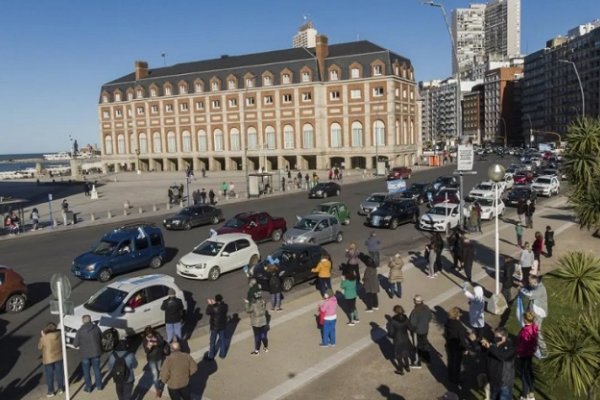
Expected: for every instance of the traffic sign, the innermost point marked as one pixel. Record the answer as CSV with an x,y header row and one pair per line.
x,y
465,157
65,286
67,306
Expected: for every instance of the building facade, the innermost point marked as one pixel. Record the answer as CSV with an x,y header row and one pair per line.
x,y
473,114
552,97
469,35
502,110
305,108
306,36
503,28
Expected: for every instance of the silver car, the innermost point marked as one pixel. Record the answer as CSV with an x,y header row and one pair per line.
x,y
315,229
372,203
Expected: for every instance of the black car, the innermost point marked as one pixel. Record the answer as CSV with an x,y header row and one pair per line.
x,y
324,190
189,217
520,192
294,261
394,212
418,192
445,182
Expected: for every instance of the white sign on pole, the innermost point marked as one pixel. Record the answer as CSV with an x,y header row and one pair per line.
x,y
60,292
465,158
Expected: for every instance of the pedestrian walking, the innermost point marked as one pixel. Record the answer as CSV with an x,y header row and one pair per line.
x,y
307,179
35,219
455,242
122,364
457,344
478,214
398,329
519,233
217,313
352,260
88,340
176,372
203,172
476,308
538,304
500,365
527,343
529,211
224,188
257,308
549,240
283,183
419,318
327,318
370,283
473,219
52,359
203,196
526,260
348,287
468,257
65,209
275,287
437,246
323,271
521,208
211,197
537,248
155,348
395,276
173,308
430,257
373,244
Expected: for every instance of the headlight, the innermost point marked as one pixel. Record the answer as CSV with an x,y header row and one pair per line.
x,y
200,266
387,218
90,267
301,239
164,221
319,192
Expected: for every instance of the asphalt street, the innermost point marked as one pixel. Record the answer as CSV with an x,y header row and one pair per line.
x,y
37,258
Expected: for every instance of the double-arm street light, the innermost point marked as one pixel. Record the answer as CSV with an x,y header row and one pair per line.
x,y
496,173
580,85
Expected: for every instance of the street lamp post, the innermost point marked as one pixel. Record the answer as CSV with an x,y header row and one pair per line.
x,y
496,174
580,85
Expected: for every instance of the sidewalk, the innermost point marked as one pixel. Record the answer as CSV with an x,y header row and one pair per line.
x,y
297,368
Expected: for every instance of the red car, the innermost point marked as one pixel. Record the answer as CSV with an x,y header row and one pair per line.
x,y
260,225
399,173
13,291
523,178
451,195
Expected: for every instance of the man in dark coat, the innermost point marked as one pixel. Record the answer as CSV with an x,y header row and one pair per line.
x,y
211,197
521,208
529,211
455,334
500,364
506,277
420,317
398,328
468,256
370,282
202,196
455,241
437,244
173,308
88,340
217,311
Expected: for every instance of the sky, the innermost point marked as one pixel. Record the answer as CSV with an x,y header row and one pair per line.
x,y
56,54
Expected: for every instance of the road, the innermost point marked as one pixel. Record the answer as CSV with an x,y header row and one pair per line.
x,y
37,258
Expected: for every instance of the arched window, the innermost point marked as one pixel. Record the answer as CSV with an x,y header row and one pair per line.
x,y
378,133
288,137
202,141
143,143
252,138
156,143
186,142
108,149
335,135
132,143
171,142
234,139
182,88
270,137
357,134
218,139
121,144
308,136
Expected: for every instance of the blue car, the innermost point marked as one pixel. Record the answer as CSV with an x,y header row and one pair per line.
x,y
120,251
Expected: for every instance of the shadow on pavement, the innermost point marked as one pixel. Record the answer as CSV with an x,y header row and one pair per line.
x,y
171,254
386,393
379,336
200,378
37,292
192,317
232,324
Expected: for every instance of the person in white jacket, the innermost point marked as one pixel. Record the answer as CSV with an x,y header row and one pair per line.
x,y
476,308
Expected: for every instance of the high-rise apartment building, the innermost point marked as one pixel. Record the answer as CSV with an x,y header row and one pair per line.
x,y
503,28
469,35
502,111
473,114
306,36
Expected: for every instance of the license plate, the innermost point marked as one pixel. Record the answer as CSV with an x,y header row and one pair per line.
x,y
77,273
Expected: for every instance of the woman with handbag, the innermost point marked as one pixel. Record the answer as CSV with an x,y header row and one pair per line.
x,y
527,344
257,309
156,349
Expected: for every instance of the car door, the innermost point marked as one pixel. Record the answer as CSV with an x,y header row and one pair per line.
x,y
228,257
321,231
156,294
124,258
343,213
196,216
263,226
303,266
140,316
243,253
142,250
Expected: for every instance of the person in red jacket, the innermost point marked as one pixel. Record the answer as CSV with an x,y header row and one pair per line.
x,y
526,346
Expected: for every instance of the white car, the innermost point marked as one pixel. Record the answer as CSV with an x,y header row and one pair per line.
x,y
508,181
441,217
487,208
124,308
214,256
485,189
546,185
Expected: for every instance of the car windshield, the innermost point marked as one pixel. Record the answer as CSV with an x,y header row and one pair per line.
x,y
440,211
306,224
520,192
320,186
208,248
104,247
235,223
376,198
106,300
322,208
387,205
185,212
486,202
450,193
417,186
484,186
543,181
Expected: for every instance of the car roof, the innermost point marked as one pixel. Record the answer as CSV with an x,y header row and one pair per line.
x,y
378,194
445,205
246,214
331,203
546,176
131,284
318,216
125,231
228,237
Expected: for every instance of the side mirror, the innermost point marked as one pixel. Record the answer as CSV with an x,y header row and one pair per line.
x,y
224,254
127,309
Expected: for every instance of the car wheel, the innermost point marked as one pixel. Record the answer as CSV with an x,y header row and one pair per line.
x,y
253,261
339,238
15,303
287,284
347,221
187,226
337,192
394,224
214,274
324,195
214,220
104,275
109,340
276,235
156,262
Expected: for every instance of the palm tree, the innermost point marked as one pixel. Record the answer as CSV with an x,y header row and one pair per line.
x,y
573,345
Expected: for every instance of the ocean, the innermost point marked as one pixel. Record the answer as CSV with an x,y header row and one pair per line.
x,y
17,162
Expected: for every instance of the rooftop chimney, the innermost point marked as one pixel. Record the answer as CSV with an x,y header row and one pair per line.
x,y
322,52
141,70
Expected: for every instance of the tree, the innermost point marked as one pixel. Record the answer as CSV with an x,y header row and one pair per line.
x,y
573,345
